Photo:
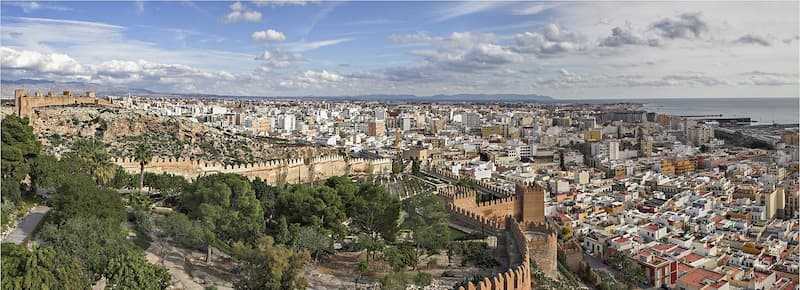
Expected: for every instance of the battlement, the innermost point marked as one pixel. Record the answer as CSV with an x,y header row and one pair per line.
x,y
507,199
296,170
25,103
516,277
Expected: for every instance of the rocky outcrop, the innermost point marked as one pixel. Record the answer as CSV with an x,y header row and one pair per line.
x,y
123,129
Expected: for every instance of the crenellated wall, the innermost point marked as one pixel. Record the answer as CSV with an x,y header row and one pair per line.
x,y
24,103
533,238
516,277
542,240
274,172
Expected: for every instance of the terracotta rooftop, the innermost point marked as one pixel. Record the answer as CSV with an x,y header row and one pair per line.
x,y
691,258
698,278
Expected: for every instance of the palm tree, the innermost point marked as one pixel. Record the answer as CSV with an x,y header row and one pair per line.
x,y
143,155
95,159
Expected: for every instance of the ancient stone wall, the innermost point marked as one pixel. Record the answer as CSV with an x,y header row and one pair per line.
x,y
535,238
517,277
291,171
24,103
543,244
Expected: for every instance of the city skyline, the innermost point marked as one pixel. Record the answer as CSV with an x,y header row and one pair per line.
x,y
294,48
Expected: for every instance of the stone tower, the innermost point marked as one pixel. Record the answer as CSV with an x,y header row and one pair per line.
x,y
532,196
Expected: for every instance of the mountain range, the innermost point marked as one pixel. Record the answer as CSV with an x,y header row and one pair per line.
x,y
7,88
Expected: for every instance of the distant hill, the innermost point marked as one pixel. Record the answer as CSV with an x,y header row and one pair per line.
x,y
45,86
7,88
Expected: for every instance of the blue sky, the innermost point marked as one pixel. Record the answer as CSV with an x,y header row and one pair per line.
x,y
295,48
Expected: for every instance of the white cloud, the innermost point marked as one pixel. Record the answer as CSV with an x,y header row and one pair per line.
x,y
278,58
312,79
552,41
306,46
240,13
268,35
533,9
458,9
283,2
52,63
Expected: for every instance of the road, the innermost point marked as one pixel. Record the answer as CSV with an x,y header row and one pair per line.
x,y
25,227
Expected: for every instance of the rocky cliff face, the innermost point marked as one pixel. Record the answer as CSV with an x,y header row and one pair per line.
x,y
123,129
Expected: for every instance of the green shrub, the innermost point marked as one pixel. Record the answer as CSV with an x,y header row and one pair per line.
x,y
423,279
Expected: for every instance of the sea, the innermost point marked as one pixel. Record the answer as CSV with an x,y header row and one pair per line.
x,y
765,110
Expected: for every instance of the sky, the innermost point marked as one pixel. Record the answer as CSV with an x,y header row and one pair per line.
x,y
568,50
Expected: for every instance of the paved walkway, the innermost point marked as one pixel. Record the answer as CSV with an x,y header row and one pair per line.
x,y
25,227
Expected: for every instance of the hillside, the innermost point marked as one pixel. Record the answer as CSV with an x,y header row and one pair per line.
x,y
173,137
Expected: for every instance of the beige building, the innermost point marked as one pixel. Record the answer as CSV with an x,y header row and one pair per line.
x,y
376,128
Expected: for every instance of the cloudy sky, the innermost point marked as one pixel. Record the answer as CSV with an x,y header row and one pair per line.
x,y
295,48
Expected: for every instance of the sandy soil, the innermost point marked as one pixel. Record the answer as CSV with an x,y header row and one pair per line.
x,y
188,268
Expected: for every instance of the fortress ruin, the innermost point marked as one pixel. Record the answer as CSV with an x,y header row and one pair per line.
x,y
24,104
518,216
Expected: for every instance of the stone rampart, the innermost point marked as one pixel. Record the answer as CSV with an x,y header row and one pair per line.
x,y
274,172
516,277
24,103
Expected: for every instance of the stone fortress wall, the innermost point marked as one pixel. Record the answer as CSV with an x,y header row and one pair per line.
x,y
521,217
25,103
291,171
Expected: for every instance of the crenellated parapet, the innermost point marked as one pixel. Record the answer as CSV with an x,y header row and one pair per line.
x,y
25,103
293,170
516,277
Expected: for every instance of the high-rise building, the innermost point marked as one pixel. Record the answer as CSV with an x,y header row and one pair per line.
x,y
286,122
613,150
646,146
406,123
700,134
380,114
436,125
588,123
471,119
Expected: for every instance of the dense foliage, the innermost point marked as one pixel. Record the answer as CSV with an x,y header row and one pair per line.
x,y
270,266
84,236
41,268
19,147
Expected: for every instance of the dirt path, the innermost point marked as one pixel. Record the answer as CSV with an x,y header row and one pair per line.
x,y
197,276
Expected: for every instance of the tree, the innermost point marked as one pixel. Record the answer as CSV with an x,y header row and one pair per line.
x,y
168,185
375,211
346,189
19,147
226,204
91,240
270,266
142,155
132,271
139,201
91,157
363,267
415,166
179,228
312,206
41,268
371,244
312,240
80,198
266,194
428,219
